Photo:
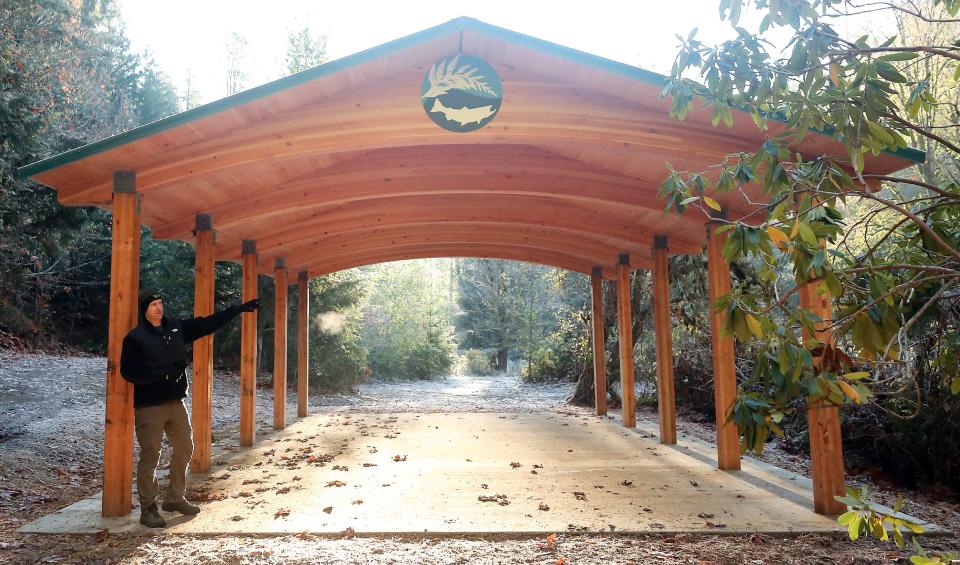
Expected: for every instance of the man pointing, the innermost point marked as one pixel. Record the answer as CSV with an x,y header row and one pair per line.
x,y
154,359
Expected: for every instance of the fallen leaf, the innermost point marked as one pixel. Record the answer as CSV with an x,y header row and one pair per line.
x,y
516,465
281,513
328,509
695,483
626,483
283,490
579,495
543,507
704,515
399,458
500,499
336,484
236,518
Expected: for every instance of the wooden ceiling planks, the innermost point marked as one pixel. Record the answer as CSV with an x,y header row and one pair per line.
x,y
318,162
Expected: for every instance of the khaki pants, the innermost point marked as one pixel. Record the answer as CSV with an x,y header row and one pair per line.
x,y
151,423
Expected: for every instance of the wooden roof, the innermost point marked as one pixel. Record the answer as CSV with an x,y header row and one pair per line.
x,y
339,166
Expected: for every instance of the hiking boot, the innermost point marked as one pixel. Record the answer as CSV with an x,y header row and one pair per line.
x,y
182,507
151,518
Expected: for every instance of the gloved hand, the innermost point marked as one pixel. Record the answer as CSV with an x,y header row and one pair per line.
x,y
250,305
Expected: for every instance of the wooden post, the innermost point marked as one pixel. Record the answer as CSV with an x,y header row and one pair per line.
x,y
248,348
202,390
625,324
124,283
280,346
599,359
303,343
724,370
663,331
823,418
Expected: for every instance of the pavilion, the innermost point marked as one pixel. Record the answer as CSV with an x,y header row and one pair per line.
x,y
341,165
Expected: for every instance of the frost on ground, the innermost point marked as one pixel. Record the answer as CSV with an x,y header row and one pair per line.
x,y
51,435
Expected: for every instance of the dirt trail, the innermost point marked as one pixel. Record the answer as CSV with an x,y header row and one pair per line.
x,y
51,434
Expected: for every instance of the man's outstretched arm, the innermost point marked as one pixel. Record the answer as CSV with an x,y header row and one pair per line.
x,y
195,328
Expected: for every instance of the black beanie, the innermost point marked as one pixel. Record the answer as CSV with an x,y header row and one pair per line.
x,y
146,297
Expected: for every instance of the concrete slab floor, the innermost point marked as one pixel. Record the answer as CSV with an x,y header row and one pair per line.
x,y
470,473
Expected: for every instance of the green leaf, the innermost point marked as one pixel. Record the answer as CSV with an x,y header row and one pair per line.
x,y
889,72
955,386
688,200
856,376
903,56
807,235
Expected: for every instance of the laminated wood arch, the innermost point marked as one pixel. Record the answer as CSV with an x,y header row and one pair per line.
x,y
340,166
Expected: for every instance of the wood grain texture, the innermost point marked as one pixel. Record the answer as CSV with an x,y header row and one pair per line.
x,y
724,369
303,344
663,333
202,388
625,325
248,354
326,154
123,317
823,418
280,349
598,342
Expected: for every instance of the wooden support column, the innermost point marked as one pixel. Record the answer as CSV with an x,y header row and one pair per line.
x,y
124,284
663,331
202,389
599,358
280,346
625,324
248,348
303,343
724,369
823,418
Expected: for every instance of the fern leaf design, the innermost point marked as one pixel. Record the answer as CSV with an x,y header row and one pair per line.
x,y
446,75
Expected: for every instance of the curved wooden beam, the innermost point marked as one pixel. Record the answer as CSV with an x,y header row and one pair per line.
x,y
583,253
387,119
603,221
601,249
495,171
400,253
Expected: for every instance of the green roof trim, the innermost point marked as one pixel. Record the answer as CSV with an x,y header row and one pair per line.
x,y
343,63
234,100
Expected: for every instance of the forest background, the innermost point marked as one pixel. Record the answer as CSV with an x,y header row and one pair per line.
x,y
69,77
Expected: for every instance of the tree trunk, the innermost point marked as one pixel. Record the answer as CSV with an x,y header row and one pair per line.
x,y
502,359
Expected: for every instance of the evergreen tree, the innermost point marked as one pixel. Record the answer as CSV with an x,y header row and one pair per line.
x,y
304,50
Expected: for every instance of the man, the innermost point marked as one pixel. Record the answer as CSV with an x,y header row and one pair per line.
x,y
153,358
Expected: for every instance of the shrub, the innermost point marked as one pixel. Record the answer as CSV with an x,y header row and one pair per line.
x,y
476,363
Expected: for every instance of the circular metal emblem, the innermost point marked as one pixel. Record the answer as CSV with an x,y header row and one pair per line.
x,y
461,93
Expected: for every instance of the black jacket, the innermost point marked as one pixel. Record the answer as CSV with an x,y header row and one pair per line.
x,y
153,358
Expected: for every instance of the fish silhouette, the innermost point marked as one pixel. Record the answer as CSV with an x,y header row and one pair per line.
x,y
463,115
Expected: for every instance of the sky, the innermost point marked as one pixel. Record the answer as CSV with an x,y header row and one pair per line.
x,y
191,35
